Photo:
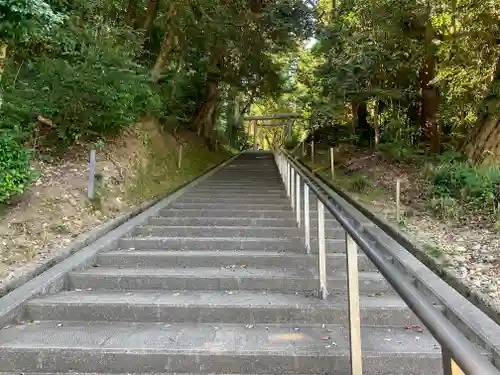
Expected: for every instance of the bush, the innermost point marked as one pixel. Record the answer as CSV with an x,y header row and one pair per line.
x,y
15,172
478,188
359,183
86,81
291,142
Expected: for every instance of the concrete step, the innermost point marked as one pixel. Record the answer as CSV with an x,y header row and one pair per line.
x,y
222,221
206,258
207,278
232,206
233,195
214,307
231,231
257,186
246,200
211,348
236,213
225,243
203,189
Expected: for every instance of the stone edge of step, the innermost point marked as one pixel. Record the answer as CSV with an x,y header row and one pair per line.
x,y
51,277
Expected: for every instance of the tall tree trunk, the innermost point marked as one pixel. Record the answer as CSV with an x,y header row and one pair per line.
x,y
483,147
205,116
379,107
151,13
363,128
166,46
3,58
131,14
430,99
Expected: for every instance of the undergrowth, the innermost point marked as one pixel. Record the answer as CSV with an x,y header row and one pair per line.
x,y
159,173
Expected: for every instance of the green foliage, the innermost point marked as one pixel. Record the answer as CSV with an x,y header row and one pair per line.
x,y
15,171
291,142
22,19
358,183
402,152
87,83
460,182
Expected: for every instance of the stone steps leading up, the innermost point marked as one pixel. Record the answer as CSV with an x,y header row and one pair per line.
x,y
217,282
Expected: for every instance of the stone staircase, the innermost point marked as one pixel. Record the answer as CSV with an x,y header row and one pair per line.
x,y
218,283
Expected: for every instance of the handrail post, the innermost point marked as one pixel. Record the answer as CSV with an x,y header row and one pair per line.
x,y
293,188
353,306
307,221
449,365
288,170
323,291
297,203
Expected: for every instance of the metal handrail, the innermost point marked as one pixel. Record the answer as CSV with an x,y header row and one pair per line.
x,y
455,346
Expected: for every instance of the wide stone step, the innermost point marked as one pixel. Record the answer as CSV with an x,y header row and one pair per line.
x,y
261,186
231,231
234,195
206,278
222,221
213,307
285,206
206,258
225,243
245,200
236,213
211,348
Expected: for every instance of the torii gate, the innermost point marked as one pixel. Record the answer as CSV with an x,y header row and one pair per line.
x,y
272,120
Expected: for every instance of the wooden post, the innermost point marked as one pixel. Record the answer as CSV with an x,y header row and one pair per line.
x,y
398,198
91,188
303,149
332,163
255,134
312,151
179,158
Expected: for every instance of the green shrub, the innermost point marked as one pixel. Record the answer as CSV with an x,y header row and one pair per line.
x,y
401,152
15,171
86,81
359,183
478,188
291,142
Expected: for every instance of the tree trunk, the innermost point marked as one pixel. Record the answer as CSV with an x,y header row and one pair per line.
x,y
483,147
131,14
166,46
430,99
151,13
3,58
204,118
363,128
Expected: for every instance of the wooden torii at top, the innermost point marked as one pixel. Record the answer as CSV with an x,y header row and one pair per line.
x,y
272,120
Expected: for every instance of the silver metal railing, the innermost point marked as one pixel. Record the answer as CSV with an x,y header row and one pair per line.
x,y
460,357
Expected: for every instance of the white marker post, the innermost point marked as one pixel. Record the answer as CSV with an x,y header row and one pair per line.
x,y
332,162
91,189
398,200
179,159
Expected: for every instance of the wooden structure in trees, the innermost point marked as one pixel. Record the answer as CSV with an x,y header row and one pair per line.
x,y
280,119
